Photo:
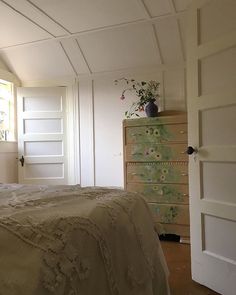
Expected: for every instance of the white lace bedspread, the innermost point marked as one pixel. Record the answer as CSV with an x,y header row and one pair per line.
x,y
67,240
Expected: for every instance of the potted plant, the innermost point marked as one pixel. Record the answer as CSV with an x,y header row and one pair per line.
x,y
146,91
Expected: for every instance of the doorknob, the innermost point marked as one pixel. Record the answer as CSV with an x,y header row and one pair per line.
x,y
22,160
191,150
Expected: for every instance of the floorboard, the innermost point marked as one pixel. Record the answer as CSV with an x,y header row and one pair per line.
x,y
179,264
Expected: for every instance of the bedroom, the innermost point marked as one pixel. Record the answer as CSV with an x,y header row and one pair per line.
x,y
85,50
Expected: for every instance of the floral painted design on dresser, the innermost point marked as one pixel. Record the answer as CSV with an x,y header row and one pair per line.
x,y
162,193
157,172
156,152
149,134
156,133
170,213
165,214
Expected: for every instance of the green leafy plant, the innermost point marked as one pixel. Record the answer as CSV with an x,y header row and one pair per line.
x,y
146,91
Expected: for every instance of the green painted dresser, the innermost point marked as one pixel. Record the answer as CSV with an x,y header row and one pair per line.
x,y
156,165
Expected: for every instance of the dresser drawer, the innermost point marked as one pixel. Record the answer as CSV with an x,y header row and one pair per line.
x,y
157,133
177,214
161,193
163,172
156,152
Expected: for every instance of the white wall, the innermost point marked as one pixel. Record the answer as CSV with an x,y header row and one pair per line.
x,y
8,162
101,115
97,113
8,150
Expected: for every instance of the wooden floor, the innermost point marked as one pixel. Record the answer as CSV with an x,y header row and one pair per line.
x,y
179,264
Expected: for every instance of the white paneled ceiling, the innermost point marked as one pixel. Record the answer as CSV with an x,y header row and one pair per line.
x,y
157,7
15,29
44,61
83,15
115,48
41,39
170,46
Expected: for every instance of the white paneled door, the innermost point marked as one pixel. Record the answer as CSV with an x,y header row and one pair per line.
x,y
211,78
42,151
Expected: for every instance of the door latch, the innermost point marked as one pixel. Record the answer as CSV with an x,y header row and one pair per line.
x,y
22,161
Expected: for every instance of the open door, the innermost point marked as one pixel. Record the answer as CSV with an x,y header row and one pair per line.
x,y
41,135
211,75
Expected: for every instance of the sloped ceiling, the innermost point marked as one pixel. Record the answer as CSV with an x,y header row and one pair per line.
x,y
42,39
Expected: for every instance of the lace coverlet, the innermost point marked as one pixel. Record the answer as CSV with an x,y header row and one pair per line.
x,y
67,240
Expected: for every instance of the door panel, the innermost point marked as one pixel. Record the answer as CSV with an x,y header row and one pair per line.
x,y
42,123
43,148
219,243
211,116
215,131
44,104
221,190
42,126
43,170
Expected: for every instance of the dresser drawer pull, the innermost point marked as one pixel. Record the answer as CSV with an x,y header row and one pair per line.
x,y
184,174
183,152
136,154
182,132
137,174
136,134
185,195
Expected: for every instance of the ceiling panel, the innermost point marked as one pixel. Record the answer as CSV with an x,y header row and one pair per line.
x,y
157,7
169,39
15,29
81,15
38,62
126,47
181,5
28,9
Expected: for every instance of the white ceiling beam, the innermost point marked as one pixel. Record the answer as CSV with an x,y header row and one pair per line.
x,y
181,40
33,13
66,31
130,71
29,5
148,17
84,58
172,6
173,12
144,8
25,16
153,20
68,58
158,48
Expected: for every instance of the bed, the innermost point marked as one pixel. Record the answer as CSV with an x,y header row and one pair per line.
x,y
67,240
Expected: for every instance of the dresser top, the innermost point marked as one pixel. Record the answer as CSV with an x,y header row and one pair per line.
x,y
162,118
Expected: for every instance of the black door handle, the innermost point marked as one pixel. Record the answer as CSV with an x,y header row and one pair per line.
x,y
191,150
22,161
